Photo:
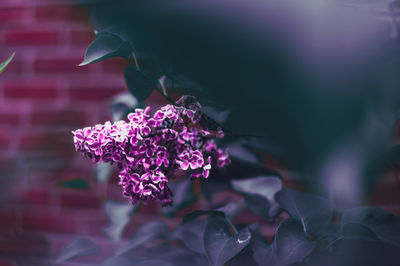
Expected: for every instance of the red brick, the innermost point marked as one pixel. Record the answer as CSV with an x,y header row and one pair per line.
x,y
55,143
47,221
114,65
14,14
81,37
94,93
30,37
63,12
5,262
386,193
4,140
59,118
23,245
8,167
54,175
59,65
9,219
34,196
82,200
9,119
30,90
15,66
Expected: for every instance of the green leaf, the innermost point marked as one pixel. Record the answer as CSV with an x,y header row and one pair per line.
x,y
358,230
146,233
240,151
183,196
139,83
119,215
102,172
314,212
76,183
261,251
231,209
218,116
191,235
383,224
191,230
5,63
78,247
122,105
259,194
290,244
106,45
219,244
264,186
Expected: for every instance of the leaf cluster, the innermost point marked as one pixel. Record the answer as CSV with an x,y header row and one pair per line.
x,y
312,235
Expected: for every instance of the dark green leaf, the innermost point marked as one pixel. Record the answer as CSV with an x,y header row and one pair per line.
x,y
219,244
4,64
231,209
357,230
261,251
241,152
119,215
191,235
264,186
122,105
238,169
77,183
183,196
385,225
314,212
78,247
106,45
258,205
146,233
244,257
217,116
140,84
102,172
191,231
259,194
290,244
355,251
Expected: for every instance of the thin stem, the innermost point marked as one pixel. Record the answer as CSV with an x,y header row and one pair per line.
x,y
235,231
136,60
161,81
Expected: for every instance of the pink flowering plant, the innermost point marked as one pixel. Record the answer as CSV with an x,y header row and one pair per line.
x,y
149,149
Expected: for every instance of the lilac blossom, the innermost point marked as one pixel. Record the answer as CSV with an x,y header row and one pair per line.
x,y
148,149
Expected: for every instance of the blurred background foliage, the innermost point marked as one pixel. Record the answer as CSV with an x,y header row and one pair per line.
x,y
313,84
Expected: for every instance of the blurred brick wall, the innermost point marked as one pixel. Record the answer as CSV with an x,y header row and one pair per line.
x,y
43,96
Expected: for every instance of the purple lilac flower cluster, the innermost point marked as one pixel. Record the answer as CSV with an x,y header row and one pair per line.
x,y
148,149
